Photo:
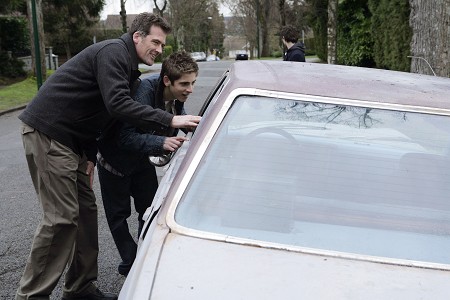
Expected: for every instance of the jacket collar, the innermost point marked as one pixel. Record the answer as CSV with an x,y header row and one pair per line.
x,y
135,73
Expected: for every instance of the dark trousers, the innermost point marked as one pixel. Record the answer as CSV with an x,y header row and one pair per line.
x,y
116,195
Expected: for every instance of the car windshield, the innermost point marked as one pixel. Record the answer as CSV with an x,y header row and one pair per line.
x,y
341,178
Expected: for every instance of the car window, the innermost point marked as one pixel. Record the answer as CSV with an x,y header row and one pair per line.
x,y
334,177
215,92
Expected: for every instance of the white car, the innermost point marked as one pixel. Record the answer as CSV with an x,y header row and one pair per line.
x,y
198,56
305,181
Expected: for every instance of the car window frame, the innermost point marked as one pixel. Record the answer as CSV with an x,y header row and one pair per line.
x,y
187,175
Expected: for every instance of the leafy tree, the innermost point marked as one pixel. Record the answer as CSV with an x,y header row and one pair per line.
x,y
8,6
67,21
355,43
317,18
391,33
14,35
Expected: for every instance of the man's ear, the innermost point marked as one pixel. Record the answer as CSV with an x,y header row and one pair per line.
x,y
136,37
166,80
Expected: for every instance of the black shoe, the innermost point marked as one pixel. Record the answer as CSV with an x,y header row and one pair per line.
x,y
95,295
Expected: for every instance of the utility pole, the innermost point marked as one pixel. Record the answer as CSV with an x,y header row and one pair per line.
x,y
36,42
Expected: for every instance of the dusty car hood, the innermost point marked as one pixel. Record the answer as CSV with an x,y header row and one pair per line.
x,y
193,268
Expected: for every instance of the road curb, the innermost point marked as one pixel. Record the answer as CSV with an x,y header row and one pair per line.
x,y
3,112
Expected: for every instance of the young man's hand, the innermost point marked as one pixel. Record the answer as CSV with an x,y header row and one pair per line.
x,y
185,121
173,143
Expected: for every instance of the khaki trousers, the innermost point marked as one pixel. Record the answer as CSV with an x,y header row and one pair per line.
x,y
67,234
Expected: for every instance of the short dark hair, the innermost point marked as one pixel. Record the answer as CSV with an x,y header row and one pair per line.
x,y
177,64
289,33
144,21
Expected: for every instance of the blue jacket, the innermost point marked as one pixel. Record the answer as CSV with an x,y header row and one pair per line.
x,y
125,147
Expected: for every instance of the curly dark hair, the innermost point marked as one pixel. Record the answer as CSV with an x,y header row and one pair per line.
x,y
289,33
177,64
144,21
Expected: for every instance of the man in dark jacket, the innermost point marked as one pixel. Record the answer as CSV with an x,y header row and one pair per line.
x,y
59,132
123,159
295,50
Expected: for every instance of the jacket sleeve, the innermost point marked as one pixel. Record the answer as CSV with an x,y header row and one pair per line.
x,y
131,139
113,72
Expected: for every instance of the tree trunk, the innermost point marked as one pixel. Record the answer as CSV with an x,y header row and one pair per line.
x,y
40,30
265,29
160,11
430,22
332,31
123,16
258,29
281,7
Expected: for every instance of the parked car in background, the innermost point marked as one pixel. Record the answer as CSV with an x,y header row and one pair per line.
x,y
212,57
198,56
242,56
334,188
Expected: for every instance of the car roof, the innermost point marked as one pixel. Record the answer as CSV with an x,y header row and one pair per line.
x,y
337,81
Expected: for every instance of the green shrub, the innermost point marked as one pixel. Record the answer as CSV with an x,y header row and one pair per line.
x,y
276,53
355,40
14,35
167,51
11,67
391,33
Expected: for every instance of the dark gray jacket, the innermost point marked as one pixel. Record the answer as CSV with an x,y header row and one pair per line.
x,y
77,102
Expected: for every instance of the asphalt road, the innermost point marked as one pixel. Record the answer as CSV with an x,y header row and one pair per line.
x,y
20,211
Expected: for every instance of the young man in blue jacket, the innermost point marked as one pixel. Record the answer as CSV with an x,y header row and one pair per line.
x,y
59,132
123,157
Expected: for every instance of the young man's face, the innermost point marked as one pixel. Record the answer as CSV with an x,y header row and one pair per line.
x,y
150,46
181,89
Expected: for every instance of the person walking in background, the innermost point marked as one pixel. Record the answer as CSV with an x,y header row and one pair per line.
x,y
295,50
59,131
123,157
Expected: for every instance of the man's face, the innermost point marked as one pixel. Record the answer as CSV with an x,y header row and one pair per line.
x,y
181,89
150,46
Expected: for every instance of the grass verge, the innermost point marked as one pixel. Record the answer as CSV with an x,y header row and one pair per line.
x,y
19,93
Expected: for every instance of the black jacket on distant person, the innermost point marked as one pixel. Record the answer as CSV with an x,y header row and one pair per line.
x,y
80,99
295,53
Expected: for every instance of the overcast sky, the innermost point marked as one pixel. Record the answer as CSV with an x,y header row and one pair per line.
x,y
112,7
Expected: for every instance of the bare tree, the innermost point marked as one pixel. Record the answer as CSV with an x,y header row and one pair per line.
x,y
431,37
123,15
281,7
160,11
191,23
332,31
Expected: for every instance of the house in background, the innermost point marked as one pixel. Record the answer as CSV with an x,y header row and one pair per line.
x,y
114,21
